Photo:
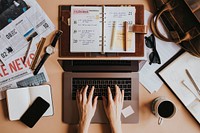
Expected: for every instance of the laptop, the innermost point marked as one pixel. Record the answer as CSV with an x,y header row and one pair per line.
x,y
100,74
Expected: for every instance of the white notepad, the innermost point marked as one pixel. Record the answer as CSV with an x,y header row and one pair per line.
x,y
19,100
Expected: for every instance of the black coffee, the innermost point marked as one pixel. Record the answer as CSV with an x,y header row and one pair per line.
x,y
166,109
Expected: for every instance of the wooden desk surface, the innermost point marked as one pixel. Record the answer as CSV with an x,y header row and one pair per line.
x,y
182,122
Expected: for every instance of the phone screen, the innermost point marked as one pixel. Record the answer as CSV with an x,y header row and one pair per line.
x,y
35,112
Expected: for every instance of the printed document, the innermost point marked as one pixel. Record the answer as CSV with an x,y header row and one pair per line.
x,y
17,71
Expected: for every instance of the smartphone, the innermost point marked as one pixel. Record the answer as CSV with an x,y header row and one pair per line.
x,y
35,112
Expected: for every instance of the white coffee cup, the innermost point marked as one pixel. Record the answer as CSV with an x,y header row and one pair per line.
x,y
163,109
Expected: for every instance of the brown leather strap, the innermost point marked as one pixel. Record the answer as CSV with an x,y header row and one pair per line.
x,y
175,36
140,29
154,24
189,35
167,7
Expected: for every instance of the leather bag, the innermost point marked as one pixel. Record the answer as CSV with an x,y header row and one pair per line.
x,y
181,19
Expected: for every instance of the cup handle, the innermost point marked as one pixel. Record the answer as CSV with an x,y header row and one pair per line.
x,y
160,121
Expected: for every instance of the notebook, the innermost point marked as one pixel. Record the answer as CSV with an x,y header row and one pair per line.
x,y
102,29
19,100
138,28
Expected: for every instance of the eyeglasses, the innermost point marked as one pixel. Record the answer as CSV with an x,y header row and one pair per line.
x,y
151,43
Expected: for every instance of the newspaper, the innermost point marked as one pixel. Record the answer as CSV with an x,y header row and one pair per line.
x,y
20,22
16,71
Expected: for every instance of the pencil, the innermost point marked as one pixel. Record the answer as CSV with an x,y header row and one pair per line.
x,y
113,34
29,39
192,80
37,53
28,49
125,35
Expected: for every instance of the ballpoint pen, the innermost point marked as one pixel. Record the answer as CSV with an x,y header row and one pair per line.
x,y
188,86
192,80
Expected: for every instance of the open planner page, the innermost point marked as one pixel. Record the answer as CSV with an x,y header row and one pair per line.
x,y
114,29
86,29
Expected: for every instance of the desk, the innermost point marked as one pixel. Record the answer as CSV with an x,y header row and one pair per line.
x,y
181,122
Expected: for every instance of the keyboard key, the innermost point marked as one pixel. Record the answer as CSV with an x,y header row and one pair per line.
x,y
101,86
100,98
127,90
96,86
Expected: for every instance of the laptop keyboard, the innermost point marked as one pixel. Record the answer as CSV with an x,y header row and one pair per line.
x,y
101,62
101,85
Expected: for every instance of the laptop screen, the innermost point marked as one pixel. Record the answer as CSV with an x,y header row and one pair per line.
x,y
99,65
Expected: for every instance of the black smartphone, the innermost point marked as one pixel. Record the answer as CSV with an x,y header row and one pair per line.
x,y
35,112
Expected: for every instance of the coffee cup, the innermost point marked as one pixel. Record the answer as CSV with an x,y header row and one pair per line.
x,y
163,109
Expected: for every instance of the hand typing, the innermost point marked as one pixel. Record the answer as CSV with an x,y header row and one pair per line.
x,y
113,109
86,108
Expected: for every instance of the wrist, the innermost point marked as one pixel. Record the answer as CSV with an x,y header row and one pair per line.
x,y
115,122
84,123
83,127
116,127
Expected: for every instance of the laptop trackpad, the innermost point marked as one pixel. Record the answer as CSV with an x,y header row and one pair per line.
x,y
72,115
100,115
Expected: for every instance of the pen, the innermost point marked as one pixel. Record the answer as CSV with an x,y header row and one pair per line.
x,y
27,51
30,39
113,34
192,80
187,85
126,35
37,53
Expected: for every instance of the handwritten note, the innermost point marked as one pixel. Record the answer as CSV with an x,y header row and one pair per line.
x,y
115,27
85,29
93,29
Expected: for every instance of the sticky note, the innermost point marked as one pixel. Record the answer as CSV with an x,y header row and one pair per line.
x,y
127,111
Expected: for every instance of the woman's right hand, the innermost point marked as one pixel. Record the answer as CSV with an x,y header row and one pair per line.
x,y
113,109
